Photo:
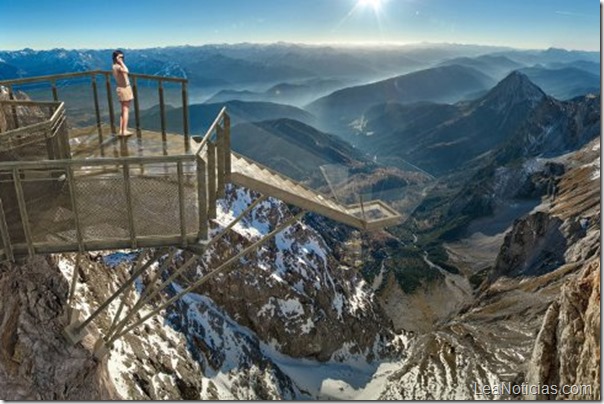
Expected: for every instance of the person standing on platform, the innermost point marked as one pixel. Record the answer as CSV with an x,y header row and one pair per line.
x,y
124,91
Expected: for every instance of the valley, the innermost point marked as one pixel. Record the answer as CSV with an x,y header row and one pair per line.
x,y
490,154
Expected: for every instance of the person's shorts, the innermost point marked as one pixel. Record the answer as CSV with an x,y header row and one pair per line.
x,y
125,94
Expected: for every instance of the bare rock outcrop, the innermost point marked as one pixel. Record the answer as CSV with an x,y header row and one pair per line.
x,y
292,291
533,247
567,349
36,362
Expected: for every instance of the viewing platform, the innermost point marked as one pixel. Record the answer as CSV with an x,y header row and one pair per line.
x,y
75,189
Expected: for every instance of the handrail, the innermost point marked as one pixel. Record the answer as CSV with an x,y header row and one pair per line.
x,y
275,172
30,102
60,107
211,130
92,75
28,128
154,77
49,164
38,79
63,76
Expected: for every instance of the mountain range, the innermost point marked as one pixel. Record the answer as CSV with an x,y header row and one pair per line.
x,y
492,277
297,93
202,115
239,67
564,82
440,138
338,110
496,67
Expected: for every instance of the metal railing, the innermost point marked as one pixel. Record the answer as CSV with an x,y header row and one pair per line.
x,y
106,203
12,85
46,127
59,204
213,158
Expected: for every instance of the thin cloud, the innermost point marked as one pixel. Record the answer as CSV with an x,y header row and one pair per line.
x,y
571,14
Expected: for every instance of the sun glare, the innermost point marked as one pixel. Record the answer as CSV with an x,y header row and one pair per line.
x,y
374,4
364,9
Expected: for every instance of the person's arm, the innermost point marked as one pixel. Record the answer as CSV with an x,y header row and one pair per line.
x,y
122,66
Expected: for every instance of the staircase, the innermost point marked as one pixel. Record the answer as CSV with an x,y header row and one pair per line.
x,y
372,215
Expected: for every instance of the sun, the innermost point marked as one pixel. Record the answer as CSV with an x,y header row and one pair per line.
x,y
366,8
376,5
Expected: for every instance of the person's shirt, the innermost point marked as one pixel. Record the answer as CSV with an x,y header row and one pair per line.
x,y
120,73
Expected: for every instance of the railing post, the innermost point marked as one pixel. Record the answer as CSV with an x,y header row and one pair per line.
x,y
181,204
362,206
202,199
55,94
8,250
97,112
185,115
126,169
162,110
220,159
211,180
63,145
23,211
227,148
56,141
124,149
50,148
11,96
74,206
137,117
110,102
63,135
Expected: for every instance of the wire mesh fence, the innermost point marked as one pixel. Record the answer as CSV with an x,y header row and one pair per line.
x,y
32,131
123,196
101,204
48,205
91,204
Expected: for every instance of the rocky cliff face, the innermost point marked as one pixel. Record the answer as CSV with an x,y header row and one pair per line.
x,y
567,349
292,286
36,363
535,246
534,320
290,321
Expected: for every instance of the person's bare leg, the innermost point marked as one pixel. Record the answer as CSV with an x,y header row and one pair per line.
x,y
121,132
124,118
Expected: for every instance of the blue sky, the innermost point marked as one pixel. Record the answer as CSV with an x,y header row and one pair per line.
x,y
73,24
